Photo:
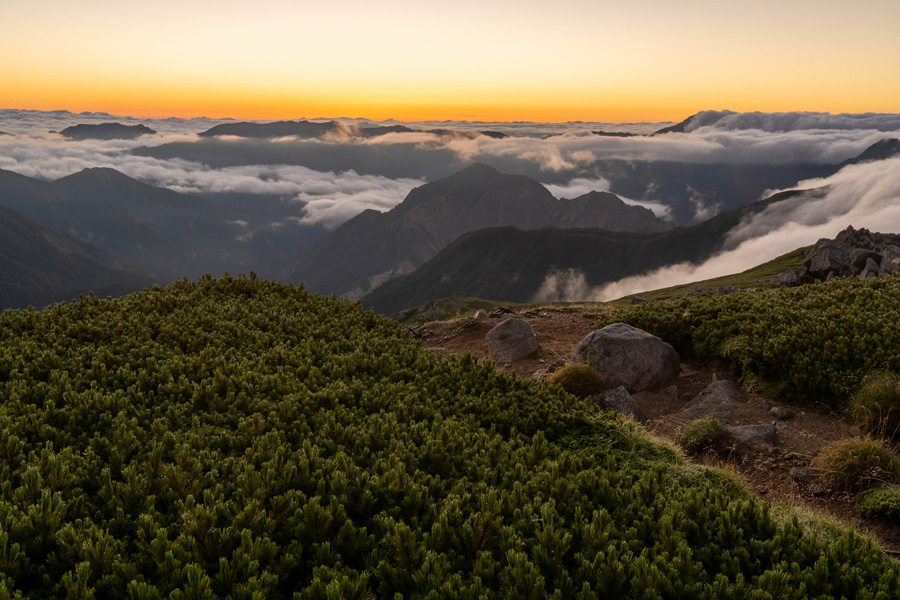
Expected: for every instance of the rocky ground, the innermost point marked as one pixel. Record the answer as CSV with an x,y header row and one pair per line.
x,y
776,473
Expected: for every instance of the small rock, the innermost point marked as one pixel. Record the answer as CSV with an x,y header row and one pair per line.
x,y
718,400
808,480
789,278
638,300
782,413
726,289
781,425
620,400
480,315
671,393
871,269
753,435
512,340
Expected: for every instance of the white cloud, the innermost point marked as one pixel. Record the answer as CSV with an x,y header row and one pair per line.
x,y
865,195
580,186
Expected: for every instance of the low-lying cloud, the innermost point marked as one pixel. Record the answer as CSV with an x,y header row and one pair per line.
x,y
581,186
865,195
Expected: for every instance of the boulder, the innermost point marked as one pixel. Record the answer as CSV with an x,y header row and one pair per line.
x,y
789,278
512,340
890,260
718,401
828,256
859,257
619,400
726,289
753,436
638,300
630,357
871,269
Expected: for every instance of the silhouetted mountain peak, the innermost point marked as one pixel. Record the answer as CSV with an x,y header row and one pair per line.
x,y
106,131
880,150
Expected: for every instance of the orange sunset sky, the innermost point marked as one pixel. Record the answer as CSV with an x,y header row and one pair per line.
x,y
644,60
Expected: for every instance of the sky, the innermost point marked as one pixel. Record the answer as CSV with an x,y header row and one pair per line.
x,y
414,60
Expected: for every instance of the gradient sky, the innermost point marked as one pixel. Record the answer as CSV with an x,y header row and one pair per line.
x,y
644,60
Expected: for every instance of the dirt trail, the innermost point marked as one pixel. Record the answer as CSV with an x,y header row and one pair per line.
x,y
766,471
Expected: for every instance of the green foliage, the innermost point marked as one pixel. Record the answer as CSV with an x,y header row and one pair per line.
x,y
699,434
880,503
813,342
578,379
237,438
856,463
875,406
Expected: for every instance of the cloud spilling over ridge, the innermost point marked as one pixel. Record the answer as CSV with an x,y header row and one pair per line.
x,y
791,121
865,195
580,186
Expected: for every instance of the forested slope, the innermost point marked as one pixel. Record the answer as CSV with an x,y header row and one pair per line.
x,y
236,438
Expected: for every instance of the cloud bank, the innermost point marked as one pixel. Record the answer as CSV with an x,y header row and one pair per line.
x,y
865,195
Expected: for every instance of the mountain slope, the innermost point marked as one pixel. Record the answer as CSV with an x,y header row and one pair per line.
x,y
508,264
374,247
39,266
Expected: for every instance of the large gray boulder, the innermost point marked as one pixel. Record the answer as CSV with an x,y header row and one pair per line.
x,y
718,400
630,357
512,340
828,256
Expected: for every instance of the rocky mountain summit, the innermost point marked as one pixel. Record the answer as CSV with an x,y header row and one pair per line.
x,y
853,252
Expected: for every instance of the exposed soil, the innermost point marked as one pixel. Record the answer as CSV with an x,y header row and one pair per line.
x,y
766,470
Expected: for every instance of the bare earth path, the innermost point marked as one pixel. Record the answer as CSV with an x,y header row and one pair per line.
x,y
766,471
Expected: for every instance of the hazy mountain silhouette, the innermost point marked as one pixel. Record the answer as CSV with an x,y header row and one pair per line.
x,y
106,131
39,266
373,247
509,265
312,129
178,235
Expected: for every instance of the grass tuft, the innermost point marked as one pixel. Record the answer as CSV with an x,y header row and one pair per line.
x,y
578,379
875,407
699,434
854,464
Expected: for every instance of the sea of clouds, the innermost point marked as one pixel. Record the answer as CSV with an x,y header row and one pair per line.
x,y
559,154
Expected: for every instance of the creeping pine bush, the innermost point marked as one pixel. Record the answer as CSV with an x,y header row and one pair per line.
x,y
880,503
854,464
579,379
875,406
814,343
699,434
237,438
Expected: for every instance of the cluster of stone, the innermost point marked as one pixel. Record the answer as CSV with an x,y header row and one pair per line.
x,y
854,252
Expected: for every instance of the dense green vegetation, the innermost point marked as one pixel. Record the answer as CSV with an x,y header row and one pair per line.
x,y
236,438
814,342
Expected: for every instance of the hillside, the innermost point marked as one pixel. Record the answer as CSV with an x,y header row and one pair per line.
x,y
39,266
509,265
239,437
374,247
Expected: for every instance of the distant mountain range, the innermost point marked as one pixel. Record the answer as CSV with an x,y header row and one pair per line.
x,y
374,247
509,265
106,131
170,234
314,129
39,266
